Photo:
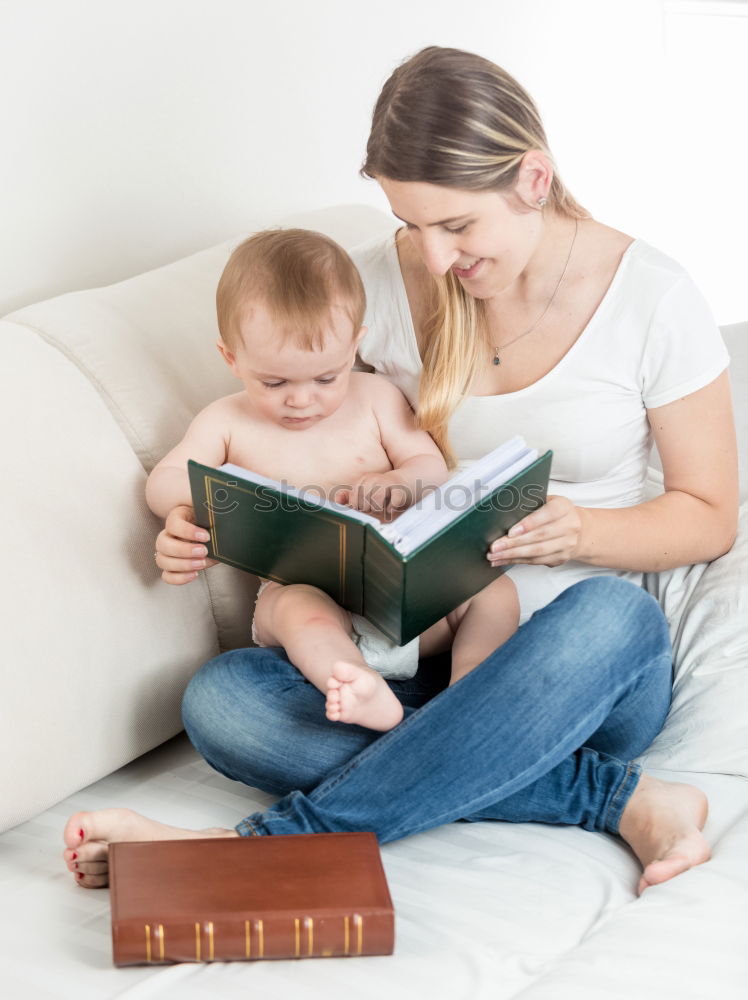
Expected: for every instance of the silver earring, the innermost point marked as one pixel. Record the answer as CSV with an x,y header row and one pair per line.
x,y
542,202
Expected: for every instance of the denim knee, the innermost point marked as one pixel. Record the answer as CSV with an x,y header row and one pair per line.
x,y
615,614
602,630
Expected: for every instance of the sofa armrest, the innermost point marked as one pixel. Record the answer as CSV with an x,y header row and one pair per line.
x,y
96,650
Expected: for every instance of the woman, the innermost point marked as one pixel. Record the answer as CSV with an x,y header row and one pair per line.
x,y
518,313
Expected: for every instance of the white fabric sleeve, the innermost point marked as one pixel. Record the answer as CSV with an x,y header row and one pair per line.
x,y
684,349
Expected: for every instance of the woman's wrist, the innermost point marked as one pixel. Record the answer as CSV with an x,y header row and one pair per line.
x,y
584,550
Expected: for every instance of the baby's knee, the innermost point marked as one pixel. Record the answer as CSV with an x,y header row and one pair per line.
x,y
295,606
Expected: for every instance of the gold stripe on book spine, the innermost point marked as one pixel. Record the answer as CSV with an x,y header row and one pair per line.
x,y
309,921
358,920
247,940
209,505
297,938
161,944
261,936
197,942
343,540
346,937
211,948
148,942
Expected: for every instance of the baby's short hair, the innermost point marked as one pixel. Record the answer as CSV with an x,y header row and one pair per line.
x,y
298,275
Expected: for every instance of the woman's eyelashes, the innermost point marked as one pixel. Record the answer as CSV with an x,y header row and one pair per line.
x,y
453,230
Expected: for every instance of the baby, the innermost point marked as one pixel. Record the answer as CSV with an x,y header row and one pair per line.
x,y
290,310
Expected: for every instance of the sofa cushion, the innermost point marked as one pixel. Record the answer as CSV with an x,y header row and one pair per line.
x,y
736,339
707,608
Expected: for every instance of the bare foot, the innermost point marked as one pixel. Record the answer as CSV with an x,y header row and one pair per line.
x,y
88,835
662,823
362,696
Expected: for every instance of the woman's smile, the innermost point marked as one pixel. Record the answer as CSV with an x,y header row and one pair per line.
x,y
468,271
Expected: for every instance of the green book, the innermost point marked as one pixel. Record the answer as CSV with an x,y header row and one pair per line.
x,y
402,576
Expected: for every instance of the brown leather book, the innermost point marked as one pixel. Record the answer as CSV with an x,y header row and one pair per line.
x,y
305,896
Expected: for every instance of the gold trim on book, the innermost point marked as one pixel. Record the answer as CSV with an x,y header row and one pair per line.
x,y
161,944
148,942
342,534
358,920
211,949
341,569
247,941
197,942
261,933
213,533
346,936
309,921
297,938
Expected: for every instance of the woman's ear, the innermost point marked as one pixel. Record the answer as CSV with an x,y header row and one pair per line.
x,y
534,177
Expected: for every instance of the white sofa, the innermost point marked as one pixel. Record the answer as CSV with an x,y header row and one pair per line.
x,y
94,387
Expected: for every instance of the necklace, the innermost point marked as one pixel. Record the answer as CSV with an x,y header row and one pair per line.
x,y
496,360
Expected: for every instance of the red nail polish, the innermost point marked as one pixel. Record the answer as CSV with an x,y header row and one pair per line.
x,y
79,874
75,855
81,834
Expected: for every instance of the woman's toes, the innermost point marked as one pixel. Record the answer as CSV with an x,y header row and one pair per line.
x,y
91,881
91,867
93,850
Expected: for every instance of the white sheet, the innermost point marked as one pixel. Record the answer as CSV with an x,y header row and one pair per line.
x,y
483,910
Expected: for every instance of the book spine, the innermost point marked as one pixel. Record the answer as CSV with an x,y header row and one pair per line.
x,y
384,577
251,938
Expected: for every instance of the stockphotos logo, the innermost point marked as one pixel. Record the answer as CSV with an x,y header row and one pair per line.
x,y
457,498
220,502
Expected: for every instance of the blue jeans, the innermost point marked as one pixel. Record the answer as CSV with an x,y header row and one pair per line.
x,y
543,730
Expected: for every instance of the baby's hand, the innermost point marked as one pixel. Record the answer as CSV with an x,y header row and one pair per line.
x,y
382,494
180,553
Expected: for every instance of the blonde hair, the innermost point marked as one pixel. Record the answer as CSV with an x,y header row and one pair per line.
x,y
457,120
299,276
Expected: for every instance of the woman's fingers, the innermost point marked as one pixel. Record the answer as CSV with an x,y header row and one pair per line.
x,y
548,536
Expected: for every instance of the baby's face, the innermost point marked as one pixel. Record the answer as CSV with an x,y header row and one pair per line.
x,y
288,385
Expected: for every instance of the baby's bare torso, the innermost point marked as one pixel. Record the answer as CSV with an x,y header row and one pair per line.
x,y
326,457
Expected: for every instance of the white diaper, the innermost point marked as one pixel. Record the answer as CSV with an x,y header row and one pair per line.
x,y
382,654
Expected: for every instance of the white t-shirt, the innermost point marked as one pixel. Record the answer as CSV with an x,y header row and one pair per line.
x,y
651,341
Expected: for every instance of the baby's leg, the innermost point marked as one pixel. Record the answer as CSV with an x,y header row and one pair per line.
x,y
316,635
482,624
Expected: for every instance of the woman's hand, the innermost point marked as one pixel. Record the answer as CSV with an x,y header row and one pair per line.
x,y
547,537
180,553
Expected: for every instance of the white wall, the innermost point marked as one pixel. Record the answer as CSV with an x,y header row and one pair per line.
x,y
135,132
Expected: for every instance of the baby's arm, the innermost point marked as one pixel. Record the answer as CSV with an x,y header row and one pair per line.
x,y
206,441
180,553
417,463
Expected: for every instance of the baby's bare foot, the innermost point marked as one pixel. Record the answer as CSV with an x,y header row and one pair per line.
x,y
662,823
360,695
88,835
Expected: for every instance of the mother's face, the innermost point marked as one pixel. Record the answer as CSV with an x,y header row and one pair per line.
x,y
485,237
